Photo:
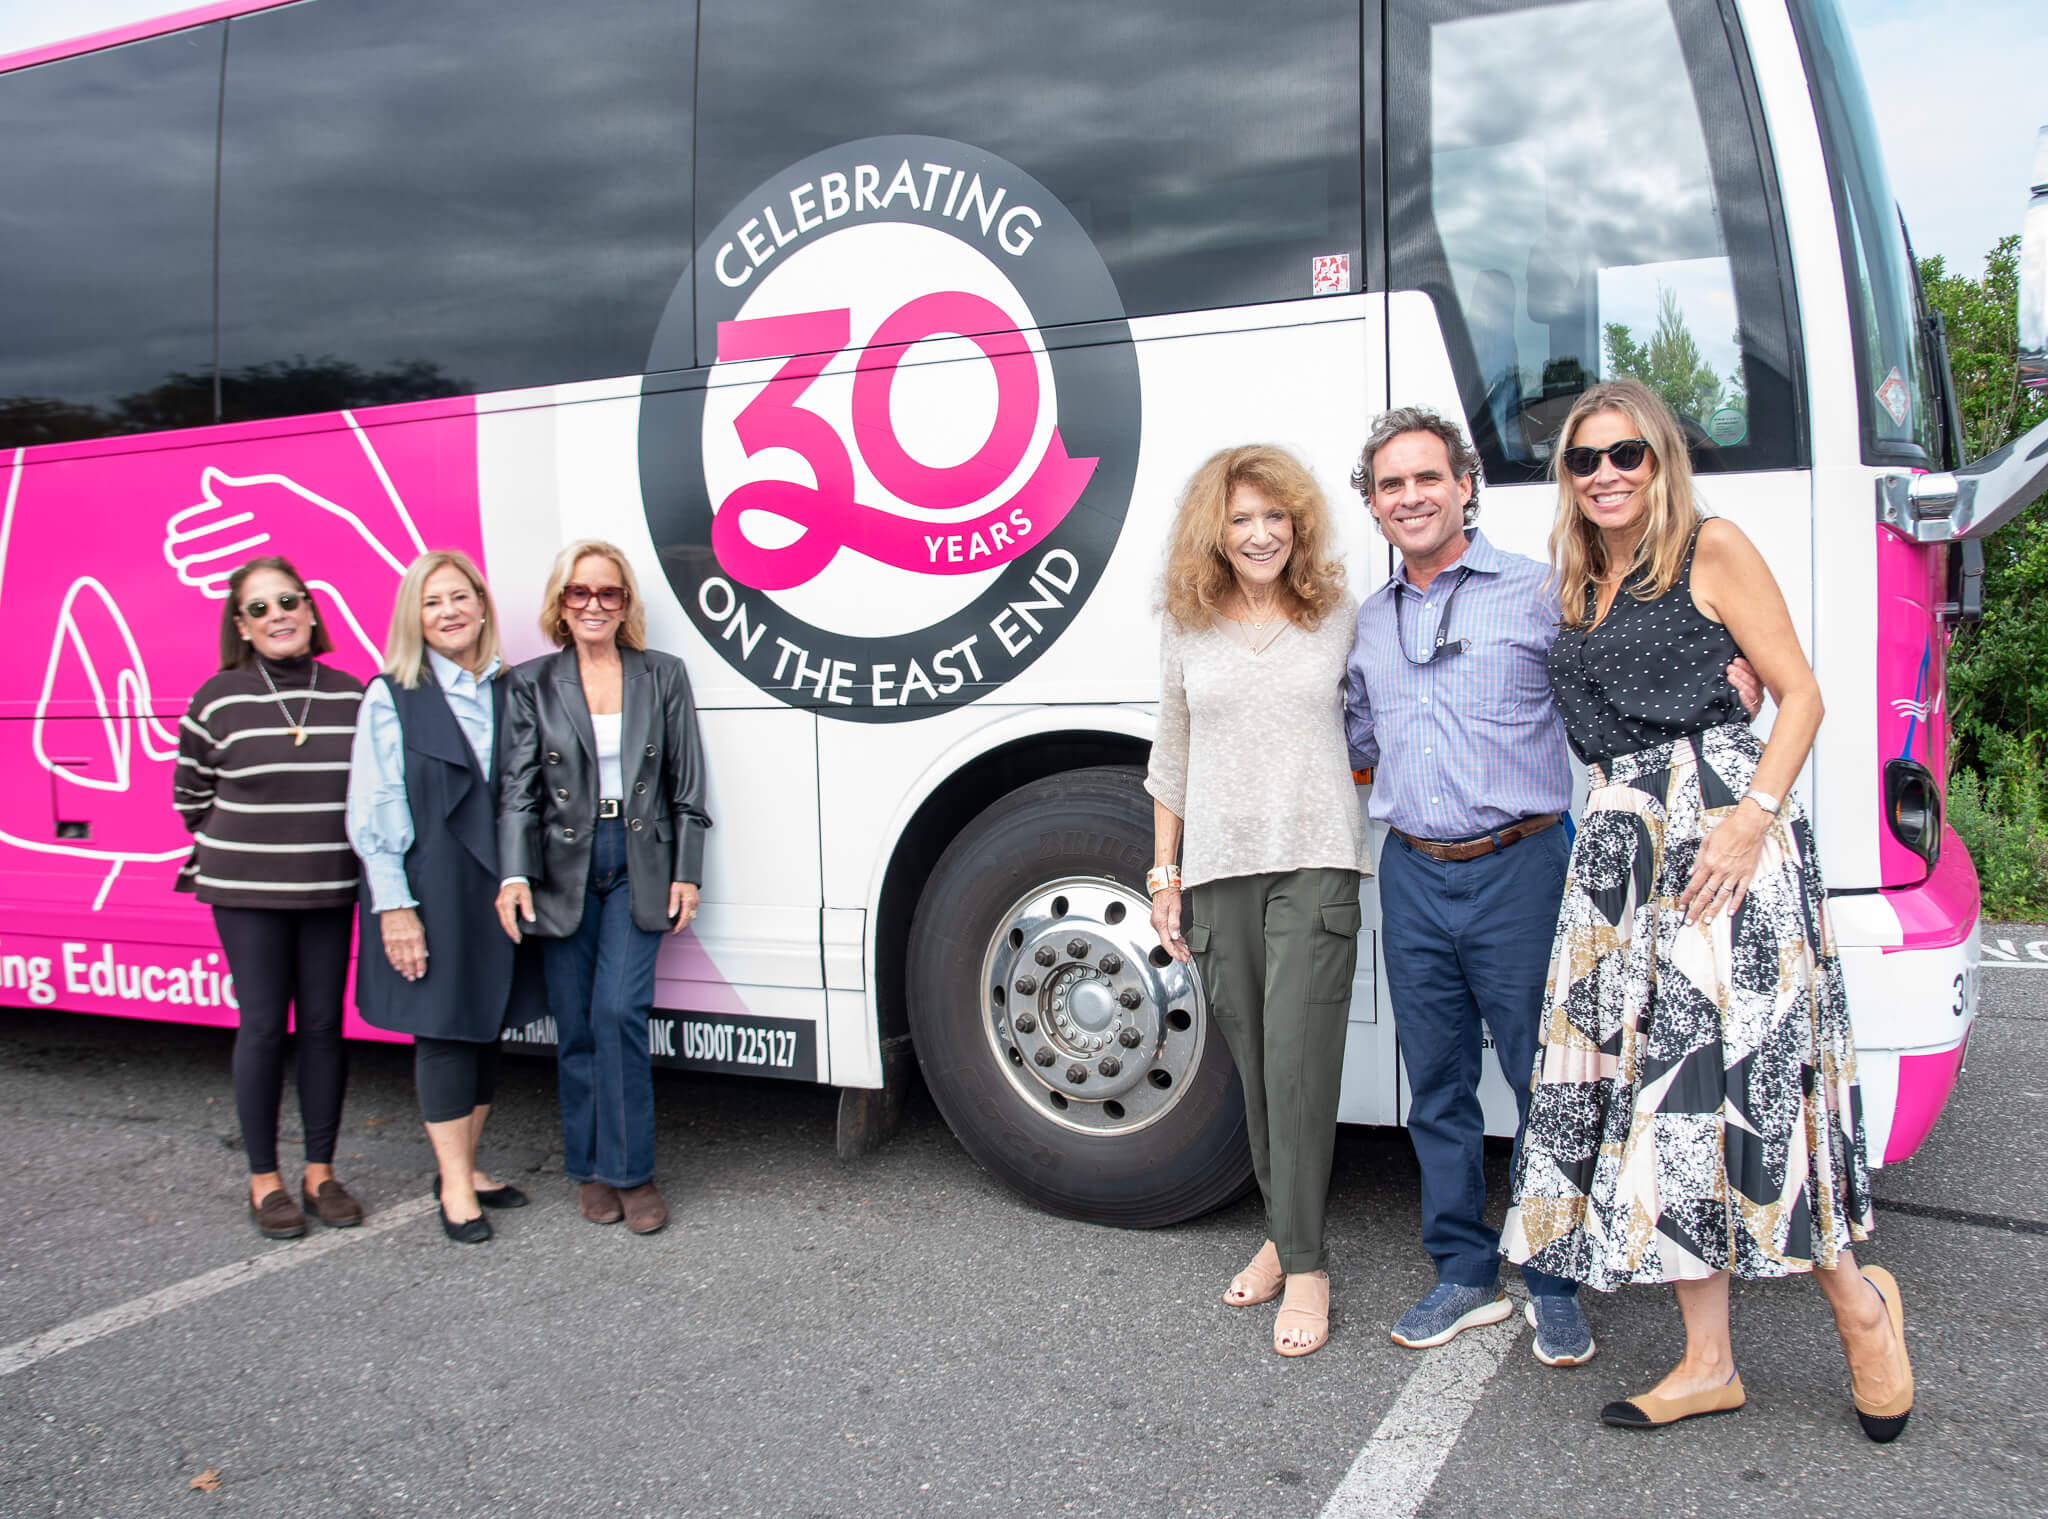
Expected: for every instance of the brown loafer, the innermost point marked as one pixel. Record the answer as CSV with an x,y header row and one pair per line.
x,y
645,1212
598,1203
333,1206
277,1216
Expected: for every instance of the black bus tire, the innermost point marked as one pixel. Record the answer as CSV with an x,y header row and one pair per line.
x,y
1091,829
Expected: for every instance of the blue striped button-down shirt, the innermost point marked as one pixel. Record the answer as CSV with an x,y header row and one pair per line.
x,y
379,817
1468,743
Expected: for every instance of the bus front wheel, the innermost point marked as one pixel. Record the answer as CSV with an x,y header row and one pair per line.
x,y
1071,1056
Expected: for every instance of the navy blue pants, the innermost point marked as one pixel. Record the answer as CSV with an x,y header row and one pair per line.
x,y
1465,942
600,991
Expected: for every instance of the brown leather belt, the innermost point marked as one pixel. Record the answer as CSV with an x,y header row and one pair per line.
x,y
1486,843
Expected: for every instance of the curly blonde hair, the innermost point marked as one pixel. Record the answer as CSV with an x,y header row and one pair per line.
x,y
1198,573
1578,554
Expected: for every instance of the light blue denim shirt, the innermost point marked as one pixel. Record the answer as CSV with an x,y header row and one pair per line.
x,y
379,820
1470,743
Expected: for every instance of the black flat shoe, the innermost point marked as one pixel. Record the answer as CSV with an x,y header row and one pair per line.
x,y
470,1232
507,1196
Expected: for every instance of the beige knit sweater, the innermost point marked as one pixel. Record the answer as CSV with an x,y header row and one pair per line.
x,y
1250,751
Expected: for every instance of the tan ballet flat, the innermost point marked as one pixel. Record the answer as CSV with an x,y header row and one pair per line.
x,y
1260,1282
1885,1422
1648,1411
1304,1314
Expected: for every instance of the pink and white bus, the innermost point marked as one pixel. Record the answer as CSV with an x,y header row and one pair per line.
x,y
883,337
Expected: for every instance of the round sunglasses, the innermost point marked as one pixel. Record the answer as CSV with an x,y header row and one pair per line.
x,y
287,601
1626,454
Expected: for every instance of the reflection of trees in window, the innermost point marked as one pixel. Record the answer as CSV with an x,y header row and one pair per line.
x,y
1670,363
185,398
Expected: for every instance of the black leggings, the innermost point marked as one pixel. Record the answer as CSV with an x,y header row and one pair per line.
x,y
288,961
454,1076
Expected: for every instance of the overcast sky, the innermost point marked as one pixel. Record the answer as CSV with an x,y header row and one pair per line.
x,y
1958,89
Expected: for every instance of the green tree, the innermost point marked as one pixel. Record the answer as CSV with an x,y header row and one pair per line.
x,y
1998,668
1670,363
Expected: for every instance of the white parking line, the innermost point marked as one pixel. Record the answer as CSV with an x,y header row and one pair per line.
x,y
1392,1476
96,1326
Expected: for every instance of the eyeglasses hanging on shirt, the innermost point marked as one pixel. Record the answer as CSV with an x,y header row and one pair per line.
x,y
1443,648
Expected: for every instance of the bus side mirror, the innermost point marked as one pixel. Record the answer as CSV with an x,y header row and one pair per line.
x,y
2033,303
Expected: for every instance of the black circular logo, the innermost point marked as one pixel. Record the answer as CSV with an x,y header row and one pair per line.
x,y
912,452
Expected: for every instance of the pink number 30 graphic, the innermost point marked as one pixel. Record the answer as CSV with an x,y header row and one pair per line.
x,y
828,512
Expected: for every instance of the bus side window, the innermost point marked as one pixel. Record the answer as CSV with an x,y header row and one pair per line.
x,y
1210,148
1573,221
439,199
106,262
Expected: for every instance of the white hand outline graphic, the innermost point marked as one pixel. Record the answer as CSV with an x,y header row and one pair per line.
x,y
204,543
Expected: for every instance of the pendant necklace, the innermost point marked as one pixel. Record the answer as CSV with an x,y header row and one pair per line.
x,y
296,729
1249,627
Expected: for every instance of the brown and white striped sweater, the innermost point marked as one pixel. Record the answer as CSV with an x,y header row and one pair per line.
x,y
267,814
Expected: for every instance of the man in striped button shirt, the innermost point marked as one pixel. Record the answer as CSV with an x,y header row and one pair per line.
x,y
1448,703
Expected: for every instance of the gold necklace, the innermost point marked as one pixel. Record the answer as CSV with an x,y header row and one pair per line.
x,y
296,730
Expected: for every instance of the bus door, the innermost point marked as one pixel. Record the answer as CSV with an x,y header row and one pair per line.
x,y
1546,232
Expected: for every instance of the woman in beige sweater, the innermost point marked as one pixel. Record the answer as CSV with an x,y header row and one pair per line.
x,y
1252,792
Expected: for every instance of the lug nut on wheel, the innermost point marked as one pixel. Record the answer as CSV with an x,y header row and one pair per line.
x,y
1127,1037
1026,985
1109,1065
1043,1055
1046,954
1077,948
1077,1074
1026,1023
1110,964
1129,997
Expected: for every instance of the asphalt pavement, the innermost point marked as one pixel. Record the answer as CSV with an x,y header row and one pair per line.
x,y
900,1335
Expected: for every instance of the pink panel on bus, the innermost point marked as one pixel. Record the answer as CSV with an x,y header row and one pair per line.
x,y
112,585
1924,1084
1942,910
1912,660
136,31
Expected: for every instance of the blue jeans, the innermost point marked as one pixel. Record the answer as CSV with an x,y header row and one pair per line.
x,y
1463,941
600,990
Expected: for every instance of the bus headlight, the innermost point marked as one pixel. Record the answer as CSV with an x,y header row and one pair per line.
x,y
1912,806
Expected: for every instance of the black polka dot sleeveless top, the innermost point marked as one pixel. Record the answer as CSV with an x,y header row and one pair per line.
x,y
1650,672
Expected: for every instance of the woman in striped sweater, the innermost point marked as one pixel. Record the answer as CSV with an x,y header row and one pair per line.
x,y
262,782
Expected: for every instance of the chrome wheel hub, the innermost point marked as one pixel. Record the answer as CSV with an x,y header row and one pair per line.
x,y
1088,1017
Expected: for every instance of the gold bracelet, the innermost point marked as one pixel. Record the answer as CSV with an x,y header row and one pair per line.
x,y
1160,877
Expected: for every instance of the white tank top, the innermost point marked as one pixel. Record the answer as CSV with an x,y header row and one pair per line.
x,y
611,777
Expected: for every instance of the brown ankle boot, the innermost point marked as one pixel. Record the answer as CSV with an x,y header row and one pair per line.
x,y
645,1212
598,1203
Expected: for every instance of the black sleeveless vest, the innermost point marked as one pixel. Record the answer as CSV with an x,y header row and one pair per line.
x,y
477,982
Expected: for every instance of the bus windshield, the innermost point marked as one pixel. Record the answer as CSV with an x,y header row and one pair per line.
x,y
1899,420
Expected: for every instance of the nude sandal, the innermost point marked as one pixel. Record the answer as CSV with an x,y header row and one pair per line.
x,y
1260,1282
1304,1311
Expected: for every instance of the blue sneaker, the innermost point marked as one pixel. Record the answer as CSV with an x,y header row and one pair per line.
x,y
1563,1337
1447,1312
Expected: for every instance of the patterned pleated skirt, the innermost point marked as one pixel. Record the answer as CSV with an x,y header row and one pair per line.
x,y
1694,1104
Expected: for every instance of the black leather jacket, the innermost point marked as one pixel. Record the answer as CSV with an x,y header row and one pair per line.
x,y
547,796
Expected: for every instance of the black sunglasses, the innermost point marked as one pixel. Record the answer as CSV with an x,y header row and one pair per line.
x,y
287,601
610,597
1626,454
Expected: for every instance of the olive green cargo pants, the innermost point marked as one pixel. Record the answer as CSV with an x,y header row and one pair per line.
x,y
1276,953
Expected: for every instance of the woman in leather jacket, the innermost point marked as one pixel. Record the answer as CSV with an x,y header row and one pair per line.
x,y
601,838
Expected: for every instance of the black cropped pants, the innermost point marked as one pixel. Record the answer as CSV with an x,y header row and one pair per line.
x,y
454,1076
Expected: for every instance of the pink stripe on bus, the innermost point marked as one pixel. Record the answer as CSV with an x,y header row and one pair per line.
x,y
1924,1084
1941,911
137,31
